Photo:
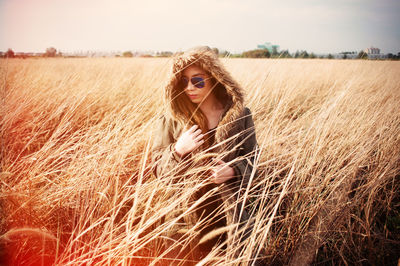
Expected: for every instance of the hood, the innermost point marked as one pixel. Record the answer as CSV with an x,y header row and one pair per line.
x,y
207,59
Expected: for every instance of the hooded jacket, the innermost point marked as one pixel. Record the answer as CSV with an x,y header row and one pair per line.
x,y
235,137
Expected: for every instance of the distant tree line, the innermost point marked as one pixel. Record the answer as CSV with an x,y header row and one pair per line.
x,y
265,53
256,53
50,52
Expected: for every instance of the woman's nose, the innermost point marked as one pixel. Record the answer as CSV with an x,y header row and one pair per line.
x,y
190,86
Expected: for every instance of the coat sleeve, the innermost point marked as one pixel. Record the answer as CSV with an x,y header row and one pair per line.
x,y
165,160
245,166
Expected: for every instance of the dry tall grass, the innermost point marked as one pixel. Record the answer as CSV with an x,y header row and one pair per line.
x,y
76,186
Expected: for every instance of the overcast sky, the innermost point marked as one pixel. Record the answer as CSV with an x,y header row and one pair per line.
x,y
324,26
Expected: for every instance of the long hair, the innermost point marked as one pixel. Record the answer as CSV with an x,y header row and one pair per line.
x,y
190,112
185,113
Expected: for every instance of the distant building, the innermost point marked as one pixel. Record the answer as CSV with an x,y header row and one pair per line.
x,y
269,46
374,53
372,50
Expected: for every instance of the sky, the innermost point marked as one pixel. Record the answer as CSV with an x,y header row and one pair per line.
x,y
319,26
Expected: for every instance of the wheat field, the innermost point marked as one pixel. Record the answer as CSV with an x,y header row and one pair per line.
x,y
76,184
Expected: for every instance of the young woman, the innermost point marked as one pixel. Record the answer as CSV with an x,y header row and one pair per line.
x,y
205,115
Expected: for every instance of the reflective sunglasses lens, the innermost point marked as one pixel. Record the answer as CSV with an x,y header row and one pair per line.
x,y
198,82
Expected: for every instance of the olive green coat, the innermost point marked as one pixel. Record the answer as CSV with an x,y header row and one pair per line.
x,y
235,140
239,148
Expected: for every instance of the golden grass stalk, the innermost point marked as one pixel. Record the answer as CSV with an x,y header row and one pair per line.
x,y
75,159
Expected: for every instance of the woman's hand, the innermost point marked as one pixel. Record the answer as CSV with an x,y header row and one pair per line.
x,y
189,141
221,172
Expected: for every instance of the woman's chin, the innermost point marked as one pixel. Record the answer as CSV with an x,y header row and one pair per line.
x,y
196,101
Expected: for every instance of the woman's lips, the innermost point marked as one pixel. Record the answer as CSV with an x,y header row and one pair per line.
x,y
192,96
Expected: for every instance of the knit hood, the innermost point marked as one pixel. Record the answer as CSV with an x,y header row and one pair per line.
x,y
208,60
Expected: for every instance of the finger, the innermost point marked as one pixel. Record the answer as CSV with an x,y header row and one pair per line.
x,y
199,137
198,144
214,176
219,161
197,132
216,170
193,128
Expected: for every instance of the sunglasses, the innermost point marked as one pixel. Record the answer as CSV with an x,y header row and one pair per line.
x,y
198,82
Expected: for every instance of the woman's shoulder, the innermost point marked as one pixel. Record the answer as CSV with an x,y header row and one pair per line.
x,y
243,120
246,113
247,118
169,124
165,119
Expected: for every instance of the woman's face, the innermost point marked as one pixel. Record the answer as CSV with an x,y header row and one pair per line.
x,y
199,83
